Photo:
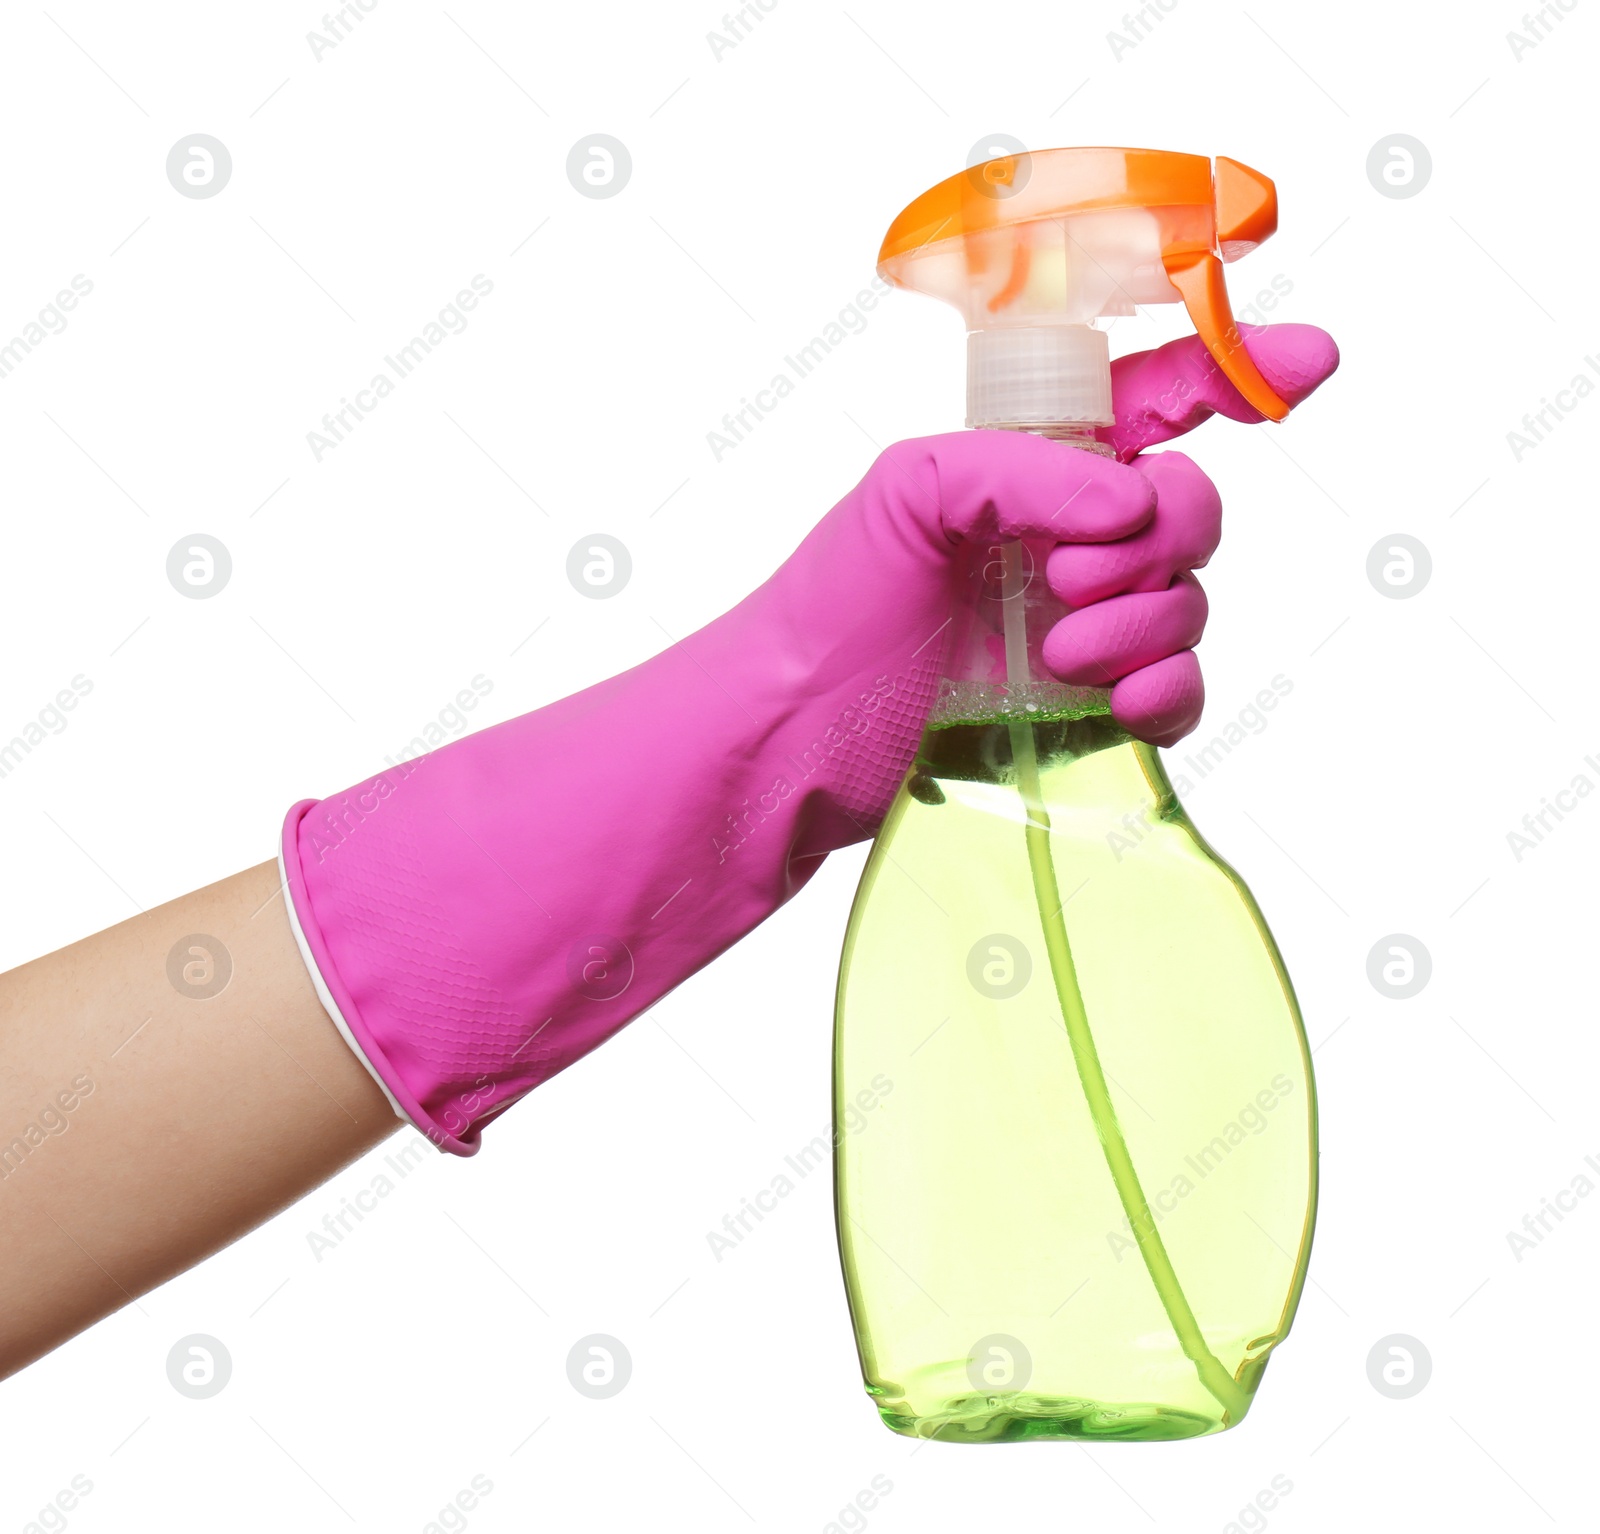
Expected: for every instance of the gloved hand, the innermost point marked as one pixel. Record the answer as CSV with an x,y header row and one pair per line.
x,y
479,918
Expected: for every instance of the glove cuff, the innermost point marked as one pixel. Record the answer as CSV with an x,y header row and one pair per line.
x,y
340,1005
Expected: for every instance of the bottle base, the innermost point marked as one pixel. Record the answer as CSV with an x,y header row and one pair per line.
x,y
1017,1416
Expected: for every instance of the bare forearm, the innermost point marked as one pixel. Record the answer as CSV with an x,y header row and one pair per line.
x,y
144,1124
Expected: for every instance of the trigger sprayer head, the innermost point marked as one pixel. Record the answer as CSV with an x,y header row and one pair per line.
x,y
1033,248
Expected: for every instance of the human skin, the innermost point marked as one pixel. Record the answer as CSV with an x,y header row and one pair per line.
x,y
202,1118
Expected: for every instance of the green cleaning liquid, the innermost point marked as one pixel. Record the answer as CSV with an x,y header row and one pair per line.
x,y
1083,1209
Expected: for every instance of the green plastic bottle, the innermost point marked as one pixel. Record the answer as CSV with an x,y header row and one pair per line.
x,y
1082,1206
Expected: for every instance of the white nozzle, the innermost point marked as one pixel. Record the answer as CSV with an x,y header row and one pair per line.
x,y
1038,375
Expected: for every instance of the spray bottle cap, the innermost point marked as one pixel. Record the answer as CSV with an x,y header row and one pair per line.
x,y
1033,248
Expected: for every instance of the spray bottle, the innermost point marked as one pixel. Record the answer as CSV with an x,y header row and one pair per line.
x,y
1084,1208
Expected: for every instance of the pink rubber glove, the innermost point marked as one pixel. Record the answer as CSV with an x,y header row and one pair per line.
x,y
479,918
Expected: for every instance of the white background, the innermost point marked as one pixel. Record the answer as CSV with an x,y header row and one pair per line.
x,y
368,588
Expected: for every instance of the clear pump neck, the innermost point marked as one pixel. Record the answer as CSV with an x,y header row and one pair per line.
x,y
1079,434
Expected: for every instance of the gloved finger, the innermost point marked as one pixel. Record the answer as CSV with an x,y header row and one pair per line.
x,y
1160,394
1163,702
1182,535
1098,645
1012,484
